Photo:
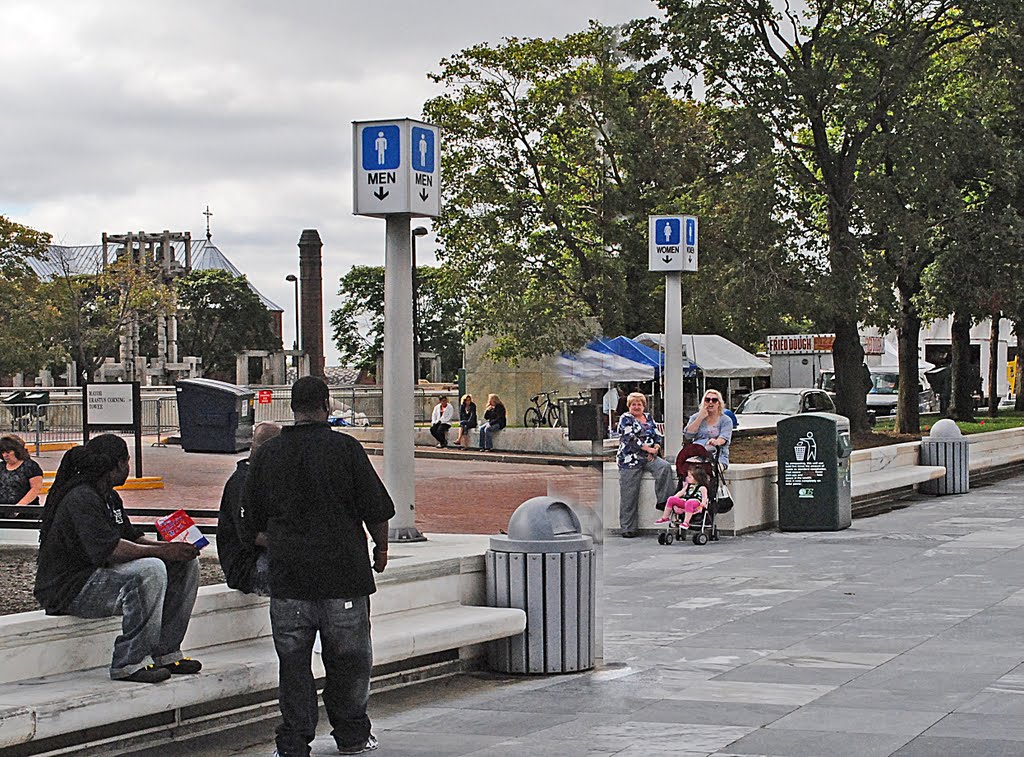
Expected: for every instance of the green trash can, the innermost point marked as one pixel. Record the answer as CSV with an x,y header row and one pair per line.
x,y
814,472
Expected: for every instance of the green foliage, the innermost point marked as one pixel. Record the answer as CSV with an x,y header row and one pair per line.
x,y
18,243
357,325
220,316
26,320
556,153
91,310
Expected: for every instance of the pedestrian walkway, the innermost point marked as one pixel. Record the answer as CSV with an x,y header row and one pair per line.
x,y
899,636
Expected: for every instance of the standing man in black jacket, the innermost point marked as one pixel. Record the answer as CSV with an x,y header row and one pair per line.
x,y
312,490
245,564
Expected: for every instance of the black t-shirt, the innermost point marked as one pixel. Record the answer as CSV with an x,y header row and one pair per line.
x,y
14,484
237,558
86,529
311,490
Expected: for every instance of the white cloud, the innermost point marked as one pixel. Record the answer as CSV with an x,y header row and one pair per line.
x,y
123,115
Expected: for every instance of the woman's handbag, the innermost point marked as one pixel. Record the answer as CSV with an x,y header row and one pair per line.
x,y
724,501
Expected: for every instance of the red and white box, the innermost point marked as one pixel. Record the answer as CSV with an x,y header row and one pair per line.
x,y
179,526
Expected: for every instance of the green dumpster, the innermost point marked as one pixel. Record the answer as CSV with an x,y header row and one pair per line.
x,y
814,472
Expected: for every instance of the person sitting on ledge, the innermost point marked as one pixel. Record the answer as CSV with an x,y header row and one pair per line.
x,y
246,566
93,563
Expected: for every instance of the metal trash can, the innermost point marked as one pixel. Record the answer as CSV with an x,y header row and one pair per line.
x,y
214,416
947,446
814,472
545,566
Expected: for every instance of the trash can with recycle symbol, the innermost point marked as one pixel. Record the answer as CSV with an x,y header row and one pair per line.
x,y
814,472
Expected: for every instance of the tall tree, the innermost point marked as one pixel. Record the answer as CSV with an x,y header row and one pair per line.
x,y
93,309
220,316
357,325
26,319
557,151
820,83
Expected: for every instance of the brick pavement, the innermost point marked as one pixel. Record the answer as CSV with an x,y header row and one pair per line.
x,y
456,493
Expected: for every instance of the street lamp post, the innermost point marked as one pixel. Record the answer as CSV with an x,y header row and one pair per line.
x,y
419,231
295,358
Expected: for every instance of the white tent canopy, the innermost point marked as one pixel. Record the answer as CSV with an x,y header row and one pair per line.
x,y
594,368
714,355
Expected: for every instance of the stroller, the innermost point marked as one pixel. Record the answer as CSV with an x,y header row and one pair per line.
x,y
702,524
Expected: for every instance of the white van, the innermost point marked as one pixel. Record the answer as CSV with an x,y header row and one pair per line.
x,y
885,381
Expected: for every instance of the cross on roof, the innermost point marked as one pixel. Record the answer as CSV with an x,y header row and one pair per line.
x,y
208,214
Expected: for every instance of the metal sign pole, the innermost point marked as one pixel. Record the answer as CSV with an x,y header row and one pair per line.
x,y
399,401
397,176
673,363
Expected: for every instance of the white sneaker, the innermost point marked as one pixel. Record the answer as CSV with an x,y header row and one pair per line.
x,y
369,746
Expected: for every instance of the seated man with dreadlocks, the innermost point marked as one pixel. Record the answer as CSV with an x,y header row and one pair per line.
x,y
93,563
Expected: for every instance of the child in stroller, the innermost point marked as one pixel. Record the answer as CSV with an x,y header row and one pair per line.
x,y
699,477
692,498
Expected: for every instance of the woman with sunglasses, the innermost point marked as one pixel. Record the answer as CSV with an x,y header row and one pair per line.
x,y
711,427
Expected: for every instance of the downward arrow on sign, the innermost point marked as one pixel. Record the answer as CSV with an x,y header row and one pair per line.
x,y
424,195
666,259
381,193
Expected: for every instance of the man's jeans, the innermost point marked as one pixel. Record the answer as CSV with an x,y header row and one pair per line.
x,y
155,599
344,626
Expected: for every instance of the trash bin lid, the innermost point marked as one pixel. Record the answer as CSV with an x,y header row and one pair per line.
x,y
14,398
543,524
946,429
216,386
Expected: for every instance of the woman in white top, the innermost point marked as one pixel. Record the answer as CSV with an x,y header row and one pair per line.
x,y
441,421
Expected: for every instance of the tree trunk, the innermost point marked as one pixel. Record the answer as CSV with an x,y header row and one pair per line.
x,y
961,407
908,415
993,365
848,359
844,305
908,332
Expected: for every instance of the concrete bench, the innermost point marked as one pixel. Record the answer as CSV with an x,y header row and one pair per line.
x,y
53,670
553,441
878,482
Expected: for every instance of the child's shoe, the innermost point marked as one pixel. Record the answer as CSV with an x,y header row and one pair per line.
x,y
684,526
662,520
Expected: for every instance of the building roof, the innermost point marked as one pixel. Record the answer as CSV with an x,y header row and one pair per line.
x,y
86,259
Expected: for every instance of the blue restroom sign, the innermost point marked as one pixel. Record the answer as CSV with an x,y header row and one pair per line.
x,y
382,148
397,168
672,243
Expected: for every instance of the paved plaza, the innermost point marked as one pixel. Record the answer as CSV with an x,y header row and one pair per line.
x,y
899,636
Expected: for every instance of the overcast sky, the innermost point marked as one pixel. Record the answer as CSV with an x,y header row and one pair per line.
x,y
121,115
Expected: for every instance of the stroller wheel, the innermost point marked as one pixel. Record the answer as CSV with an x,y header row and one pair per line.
x,y
661,538
700,539
669,538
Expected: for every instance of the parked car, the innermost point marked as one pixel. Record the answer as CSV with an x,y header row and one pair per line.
x,y
885,382
766,407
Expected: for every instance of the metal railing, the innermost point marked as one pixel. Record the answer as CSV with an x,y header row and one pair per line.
x,y
61,421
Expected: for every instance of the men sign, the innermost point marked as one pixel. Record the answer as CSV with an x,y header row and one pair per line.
x,y
672,244
397,168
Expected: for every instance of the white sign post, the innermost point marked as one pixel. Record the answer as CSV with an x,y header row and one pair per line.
x,y
672,248
114,407
397,176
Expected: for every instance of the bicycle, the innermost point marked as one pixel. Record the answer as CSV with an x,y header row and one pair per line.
x,y
542,413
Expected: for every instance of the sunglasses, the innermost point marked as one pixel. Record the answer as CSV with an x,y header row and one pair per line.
x,y
712,400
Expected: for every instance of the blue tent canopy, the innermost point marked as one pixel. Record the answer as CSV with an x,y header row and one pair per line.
x,y
638,353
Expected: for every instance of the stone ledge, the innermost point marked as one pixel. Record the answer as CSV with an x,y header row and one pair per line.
x,y
40,708
866,484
